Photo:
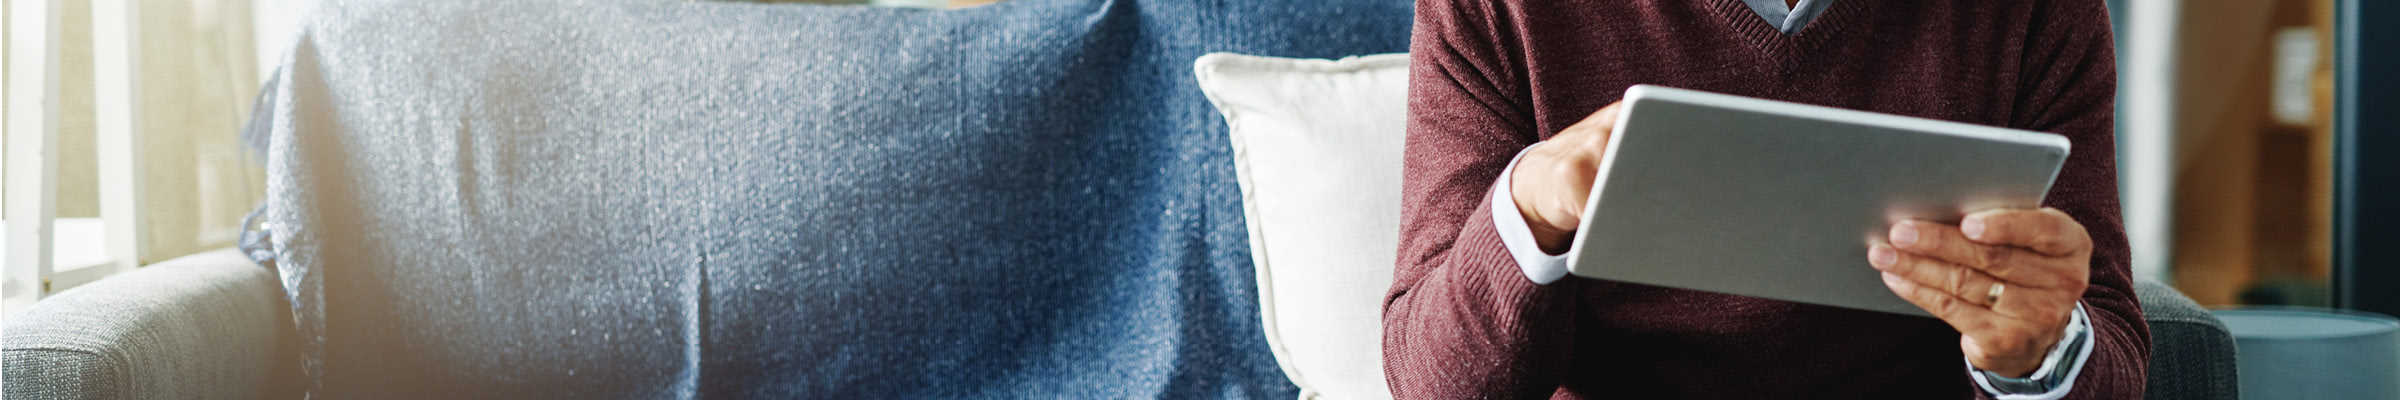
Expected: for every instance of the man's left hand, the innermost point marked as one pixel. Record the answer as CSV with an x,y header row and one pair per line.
x,y
2041,259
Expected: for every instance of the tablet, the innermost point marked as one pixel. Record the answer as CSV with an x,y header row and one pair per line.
x,y
1780,200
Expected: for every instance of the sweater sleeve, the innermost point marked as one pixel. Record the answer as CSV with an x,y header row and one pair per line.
x,y
2070,89
1461,319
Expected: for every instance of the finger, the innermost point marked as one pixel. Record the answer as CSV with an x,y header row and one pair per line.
x,y
1967,284
2047,231
1591,135
1575,195
1604,118
2003,262
2017,300
1965,317
1944,242
1574,154
1559,177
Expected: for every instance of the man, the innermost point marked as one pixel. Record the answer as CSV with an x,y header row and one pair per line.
x,y
1511,102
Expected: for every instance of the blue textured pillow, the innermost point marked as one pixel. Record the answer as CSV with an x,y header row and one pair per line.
x,y
672,199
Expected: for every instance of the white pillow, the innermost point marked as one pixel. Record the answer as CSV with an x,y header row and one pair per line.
x,y
1316,145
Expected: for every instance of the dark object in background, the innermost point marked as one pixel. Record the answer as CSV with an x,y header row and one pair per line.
x,y
2366,216
2287,292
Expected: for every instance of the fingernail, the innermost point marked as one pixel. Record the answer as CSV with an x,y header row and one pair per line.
x,y
1904,235
1891,280
1972,227
1882,256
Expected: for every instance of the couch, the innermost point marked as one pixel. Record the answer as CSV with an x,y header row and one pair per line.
x,y
670,199
213,325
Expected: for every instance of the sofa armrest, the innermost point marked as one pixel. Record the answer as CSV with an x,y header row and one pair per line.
x,y
206,326
2191,353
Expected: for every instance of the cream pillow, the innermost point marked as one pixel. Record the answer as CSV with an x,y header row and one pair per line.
x,y
1316,146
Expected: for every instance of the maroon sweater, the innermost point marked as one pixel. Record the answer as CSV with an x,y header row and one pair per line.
x,y
1491,77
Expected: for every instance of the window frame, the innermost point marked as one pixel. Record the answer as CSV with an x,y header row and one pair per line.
x,y
31,152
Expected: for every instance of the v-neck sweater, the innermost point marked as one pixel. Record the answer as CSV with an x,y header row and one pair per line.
x,y
1489,78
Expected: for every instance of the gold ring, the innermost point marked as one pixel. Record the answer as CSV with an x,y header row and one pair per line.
x,y
1992,298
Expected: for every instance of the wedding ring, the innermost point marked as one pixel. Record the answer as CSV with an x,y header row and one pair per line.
x,y
1992,298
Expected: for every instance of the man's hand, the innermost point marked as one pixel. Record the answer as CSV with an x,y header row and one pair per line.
x,y
1550,183
2042,257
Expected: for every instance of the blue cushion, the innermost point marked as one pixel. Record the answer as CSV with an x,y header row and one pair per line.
x,y
673,199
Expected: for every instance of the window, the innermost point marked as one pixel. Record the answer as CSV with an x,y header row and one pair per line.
x,y
120,149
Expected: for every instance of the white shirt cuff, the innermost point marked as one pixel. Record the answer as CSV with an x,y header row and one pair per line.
x,y
2081,325
1540,267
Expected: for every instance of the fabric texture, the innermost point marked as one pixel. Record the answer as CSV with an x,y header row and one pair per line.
x,y
1316,145
206,326
2191,353
1490,78
567,199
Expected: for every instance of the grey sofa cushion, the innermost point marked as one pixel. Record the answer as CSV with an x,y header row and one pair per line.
x,y
2191,353
207,326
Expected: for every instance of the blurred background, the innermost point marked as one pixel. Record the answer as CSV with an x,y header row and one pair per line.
x,y
2227,147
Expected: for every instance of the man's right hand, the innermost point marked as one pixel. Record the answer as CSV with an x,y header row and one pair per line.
x,y
1551,182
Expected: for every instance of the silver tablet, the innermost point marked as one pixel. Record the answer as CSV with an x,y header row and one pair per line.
x,y
1779,200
